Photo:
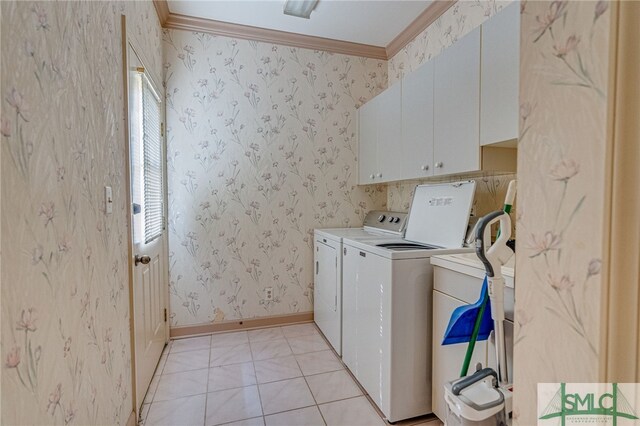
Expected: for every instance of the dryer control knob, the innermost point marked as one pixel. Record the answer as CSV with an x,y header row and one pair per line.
x,y
381,218
391,219
396,219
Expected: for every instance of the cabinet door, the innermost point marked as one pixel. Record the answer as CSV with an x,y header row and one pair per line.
x,y
350,266
326,293
417,122
457,104
499,103
368,141
447,360
390,134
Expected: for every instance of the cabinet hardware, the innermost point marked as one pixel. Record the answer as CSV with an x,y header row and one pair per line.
x,y
363,254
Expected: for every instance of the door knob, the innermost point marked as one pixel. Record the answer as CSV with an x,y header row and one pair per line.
x,y
144,259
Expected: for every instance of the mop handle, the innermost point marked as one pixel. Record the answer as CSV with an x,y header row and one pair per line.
x,y
474,337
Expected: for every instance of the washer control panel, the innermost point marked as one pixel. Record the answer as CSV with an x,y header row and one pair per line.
x,y
386,221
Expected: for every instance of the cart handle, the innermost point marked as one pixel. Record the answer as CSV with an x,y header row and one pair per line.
x,y
464,383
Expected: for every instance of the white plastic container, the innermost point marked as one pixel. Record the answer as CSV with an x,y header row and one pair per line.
x,y
479,404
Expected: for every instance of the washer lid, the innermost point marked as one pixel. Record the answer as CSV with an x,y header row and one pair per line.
x,y
439,214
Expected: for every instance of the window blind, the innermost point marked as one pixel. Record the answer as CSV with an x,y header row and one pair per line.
x,y
153,170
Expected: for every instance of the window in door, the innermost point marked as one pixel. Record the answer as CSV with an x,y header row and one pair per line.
x,y
147,169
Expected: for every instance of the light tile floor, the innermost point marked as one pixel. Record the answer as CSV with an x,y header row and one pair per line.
x,y
279,376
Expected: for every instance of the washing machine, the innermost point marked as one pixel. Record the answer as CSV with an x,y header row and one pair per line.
x,y
327,290
387,299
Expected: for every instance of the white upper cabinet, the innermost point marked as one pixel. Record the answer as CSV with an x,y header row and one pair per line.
x,y
499,104
390,134
457,103
368,142
417,122
446,117
380,137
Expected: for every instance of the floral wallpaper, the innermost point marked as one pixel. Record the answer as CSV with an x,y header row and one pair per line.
x,y
262,149
563,96
65,304
455,23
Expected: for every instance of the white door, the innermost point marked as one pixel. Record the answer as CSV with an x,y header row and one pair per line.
x,y
147,177
390,134
368,142
417,122
457,107
326,295
499,105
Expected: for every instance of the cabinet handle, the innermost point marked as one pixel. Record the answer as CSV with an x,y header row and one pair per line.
x,y
317,267
379,175
439,165
363,254
372,176
345,251
425,167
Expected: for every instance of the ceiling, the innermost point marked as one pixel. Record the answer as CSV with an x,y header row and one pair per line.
x,y
372,22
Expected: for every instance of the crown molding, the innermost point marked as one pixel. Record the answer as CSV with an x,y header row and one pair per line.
x,y
162,9
426,18
227,29
190,23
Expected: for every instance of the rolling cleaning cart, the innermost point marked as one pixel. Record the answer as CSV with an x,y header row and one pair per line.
x,y
483,398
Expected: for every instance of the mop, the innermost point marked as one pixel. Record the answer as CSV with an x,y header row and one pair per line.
x,y
472,323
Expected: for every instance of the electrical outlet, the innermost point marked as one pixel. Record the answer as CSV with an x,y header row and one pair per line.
x,y
268,293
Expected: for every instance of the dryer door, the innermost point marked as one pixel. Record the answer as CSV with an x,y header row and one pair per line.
x,y
326,295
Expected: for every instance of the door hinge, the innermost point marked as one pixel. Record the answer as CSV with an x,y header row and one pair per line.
x,y
165,314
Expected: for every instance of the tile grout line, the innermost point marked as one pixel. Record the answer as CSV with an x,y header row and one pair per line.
x,y
206,394
156,373
299,408
309,387
253,363
267,383
353,377
313,396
